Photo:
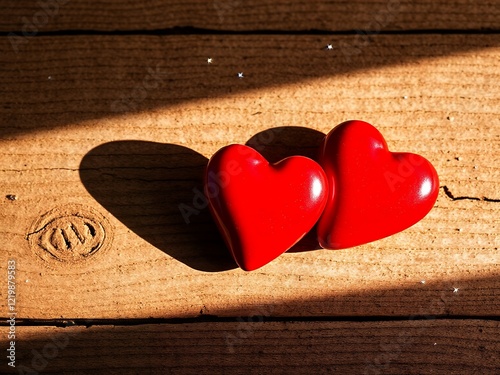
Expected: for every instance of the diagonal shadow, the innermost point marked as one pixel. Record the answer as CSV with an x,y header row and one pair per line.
x,y
156,190
416,318
98,77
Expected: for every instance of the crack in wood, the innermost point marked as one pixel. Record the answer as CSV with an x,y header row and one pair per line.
x,y
450,195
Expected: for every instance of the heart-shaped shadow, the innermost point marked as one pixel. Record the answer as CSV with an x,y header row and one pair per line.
x,y
155,189
143,184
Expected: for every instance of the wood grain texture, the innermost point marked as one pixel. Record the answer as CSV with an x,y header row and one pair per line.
x,y
404,347
83,123
32,16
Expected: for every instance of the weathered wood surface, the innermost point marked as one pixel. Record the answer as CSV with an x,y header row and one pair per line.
x,y
33,16
403,347
103,136
120,127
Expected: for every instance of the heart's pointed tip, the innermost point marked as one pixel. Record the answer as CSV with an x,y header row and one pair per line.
x,y
249,264
250,269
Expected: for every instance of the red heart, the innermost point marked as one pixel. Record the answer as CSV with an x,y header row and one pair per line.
x,y
263,209
373,192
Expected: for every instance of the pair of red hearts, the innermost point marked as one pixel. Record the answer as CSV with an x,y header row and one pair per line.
x,y
360,192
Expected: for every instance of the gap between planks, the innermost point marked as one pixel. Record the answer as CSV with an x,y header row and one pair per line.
x,y
254,15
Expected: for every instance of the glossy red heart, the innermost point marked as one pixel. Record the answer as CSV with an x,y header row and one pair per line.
x,y
374,193
263,209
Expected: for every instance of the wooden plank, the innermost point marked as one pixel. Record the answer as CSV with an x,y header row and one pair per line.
x,y
32,16
79,135
402,347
